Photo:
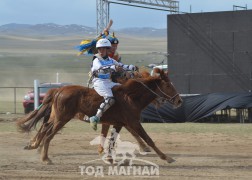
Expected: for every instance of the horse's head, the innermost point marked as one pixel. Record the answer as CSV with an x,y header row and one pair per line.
x,y
165,89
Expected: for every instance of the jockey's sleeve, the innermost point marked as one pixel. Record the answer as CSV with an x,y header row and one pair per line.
x,y
124,66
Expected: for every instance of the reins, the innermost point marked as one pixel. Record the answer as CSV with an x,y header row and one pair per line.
x,y
170,99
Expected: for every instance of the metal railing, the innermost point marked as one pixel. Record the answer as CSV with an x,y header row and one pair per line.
x,y
11,99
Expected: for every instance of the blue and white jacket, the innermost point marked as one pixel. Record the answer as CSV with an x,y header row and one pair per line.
x,y
103,67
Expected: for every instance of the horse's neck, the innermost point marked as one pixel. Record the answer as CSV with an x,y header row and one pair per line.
x,y
140,92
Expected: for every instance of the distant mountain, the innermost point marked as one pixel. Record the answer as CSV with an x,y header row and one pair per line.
x,y
73,29
46,29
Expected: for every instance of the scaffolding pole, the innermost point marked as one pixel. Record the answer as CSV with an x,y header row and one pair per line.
x,y
102,8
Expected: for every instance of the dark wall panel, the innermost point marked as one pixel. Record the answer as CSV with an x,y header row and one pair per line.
x,y
210,52
224,40
204,87
243,41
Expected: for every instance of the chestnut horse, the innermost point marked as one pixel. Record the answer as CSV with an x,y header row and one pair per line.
x,y
131,98
45,112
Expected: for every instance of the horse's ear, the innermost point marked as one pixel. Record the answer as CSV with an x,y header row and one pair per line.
x,y
159,72
156,70
165,76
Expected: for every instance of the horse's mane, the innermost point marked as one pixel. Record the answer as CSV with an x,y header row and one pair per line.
x,y
144,73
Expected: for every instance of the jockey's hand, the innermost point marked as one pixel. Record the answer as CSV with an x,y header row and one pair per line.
x,y
133,68
127,75
119,69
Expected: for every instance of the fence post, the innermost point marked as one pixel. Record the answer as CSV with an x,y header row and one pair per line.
x,y
36,94
15,100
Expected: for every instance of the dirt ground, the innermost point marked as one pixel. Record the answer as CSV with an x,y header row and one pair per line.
x,y
198,156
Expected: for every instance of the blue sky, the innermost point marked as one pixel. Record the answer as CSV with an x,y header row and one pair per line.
x,y
83,12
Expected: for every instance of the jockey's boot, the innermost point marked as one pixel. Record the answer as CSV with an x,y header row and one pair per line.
x,y
94,120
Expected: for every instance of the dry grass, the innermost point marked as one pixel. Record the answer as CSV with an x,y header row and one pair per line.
x,y
23,59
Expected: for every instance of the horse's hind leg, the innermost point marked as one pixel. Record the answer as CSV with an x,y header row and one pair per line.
x,y
34,143
141,132
30,145
55,127
40,147
104,133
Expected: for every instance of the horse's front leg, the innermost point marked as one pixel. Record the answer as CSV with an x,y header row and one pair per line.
x,y
138,128
140,142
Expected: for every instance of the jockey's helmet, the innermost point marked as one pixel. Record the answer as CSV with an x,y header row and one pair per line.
x,y
103,43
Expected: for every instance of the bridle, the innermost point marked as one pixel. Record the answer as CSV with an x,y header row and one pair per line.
x,y
171,99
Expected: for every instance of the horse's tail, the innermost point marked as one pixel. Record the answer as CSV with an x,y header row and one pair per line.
x,y
44,111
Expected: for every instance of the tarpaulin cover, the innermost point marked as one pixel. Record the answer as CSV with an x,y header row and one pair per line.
x,y
197,107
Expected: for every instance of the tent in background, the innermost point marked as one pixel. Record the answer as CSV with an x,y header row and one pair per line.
x,y
196,108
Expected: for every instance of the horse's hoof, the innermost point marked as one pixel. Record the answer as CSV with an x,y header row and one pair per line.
x,y
47,161
28,147
146,149
109,159
125,162
170,160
